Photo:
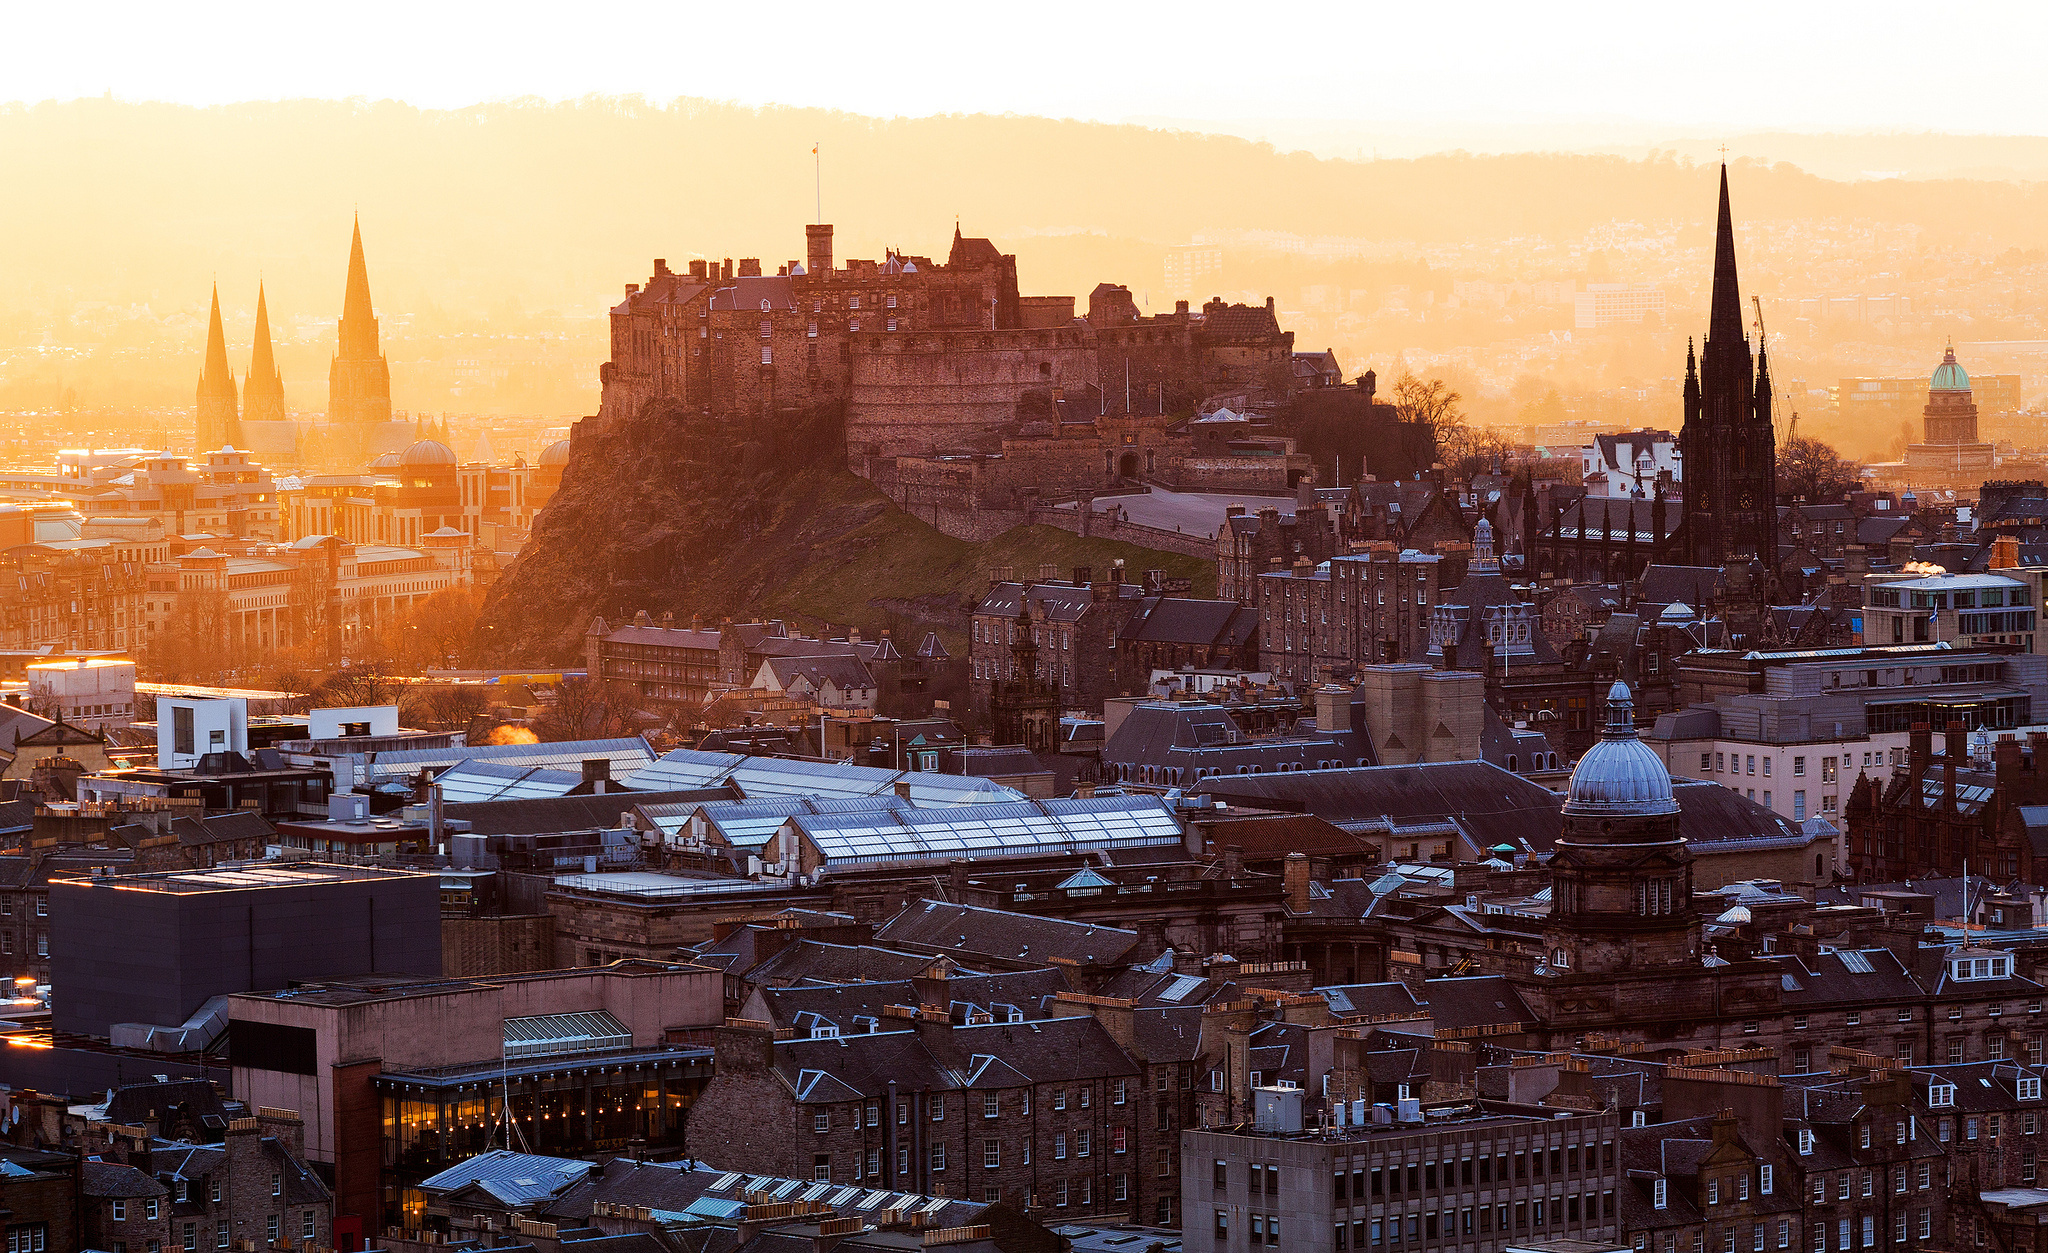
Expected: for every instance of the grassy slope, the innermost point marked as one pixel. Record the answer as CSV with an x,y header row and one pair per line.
x,y
895,571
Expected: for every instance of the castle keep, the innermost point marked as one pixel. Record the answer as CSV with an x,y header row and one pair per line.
x,y
959,393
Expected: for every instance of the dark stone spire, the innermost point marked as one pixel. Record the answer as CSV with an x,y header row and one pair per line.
x,y
1725,325
1729,450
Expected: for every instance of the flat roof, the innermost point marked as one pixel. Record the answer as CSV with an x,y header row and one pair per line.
x,y
362,988
247,876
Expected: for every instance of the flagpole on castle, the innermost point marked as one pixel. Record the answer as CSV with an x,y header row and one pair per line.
x,y
818,175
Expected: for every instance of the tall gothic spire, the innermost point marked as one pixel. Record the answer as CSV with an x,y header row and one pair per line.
x,y
1725,325
358,324
263,393
358,380
215,374
217,421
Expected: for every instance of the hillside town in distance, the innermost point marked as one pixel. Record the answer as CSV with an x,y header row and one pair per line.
x,y
1406,837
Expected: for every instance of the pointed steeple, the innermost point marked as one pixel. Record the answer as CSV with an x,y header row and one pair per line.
x,y
358,323
261,361
263,393
358,380
216,369
1724,326
217,420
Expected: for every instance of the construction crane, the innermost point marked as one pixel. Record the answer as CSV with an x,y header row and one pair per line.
x,y
1757,303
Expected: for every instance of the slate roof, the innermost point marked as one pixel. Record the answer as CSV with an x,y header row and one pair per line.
x,y
223,828
692,1186
112,1180
843,670
969,930
998,1055
815,961
161,1103
1171,619
1063,602
1694,585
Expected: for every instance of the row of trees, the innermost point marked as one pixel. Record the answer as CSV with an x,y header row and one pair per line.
x,y
1808,469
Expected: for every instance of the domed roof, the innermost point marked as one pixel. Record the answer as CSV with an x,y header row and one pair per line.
x,y
1948,376
384,461
555,454
1620,776
428,452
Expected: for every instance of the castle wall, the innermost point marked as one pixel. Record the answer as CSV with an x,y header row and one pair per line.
x,y
926,391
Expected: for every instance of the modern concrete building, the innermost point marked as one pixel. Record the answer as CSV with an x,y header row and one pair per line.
x,y
398,1078
1473,1176
152,949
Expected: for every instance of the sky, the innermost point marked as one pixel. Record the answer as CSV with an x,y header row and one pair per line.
x,y
1496,73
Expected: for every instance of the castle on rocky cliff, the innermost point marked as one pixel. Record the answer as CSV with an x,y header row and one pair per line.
x,y
960,394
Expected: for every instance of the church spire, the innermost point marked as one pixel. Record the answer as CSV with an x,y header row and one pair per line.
x,y
358,324
263,393
215,374
217,412
1725,324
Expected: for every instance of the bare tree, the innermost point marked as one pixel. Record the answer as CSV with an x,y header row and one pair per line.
x,y
1432,403
1812,471
581,711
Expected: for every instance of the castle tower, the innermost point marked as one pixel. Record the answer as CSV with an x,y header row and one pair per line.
x,y
263,390
1621,877
218,423
359,381
1951,412
1731,479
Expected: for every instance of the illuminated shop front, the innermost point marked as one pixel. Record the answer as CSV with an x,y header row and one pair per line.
x,y
589,1104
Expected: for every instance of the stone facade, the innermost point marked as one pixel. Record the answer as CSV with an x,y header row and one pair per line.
x,y
500,945
1075,626
253,1190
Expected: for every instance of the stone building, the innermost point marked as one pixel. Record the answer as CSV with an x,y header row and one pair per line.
x,y
927,356
252,1188
1249,545
1171,632
1074,627
1056,1114
1482,1175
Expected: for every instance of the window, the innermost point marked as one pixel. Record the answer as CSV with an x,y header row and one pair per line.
x,y
939,1156
821,1168
1059,1146
1085,1092
1798,767
189,1236
989,1105
1658,1194
120,1209
1805,1143
220,1234
2030,1089
276,1184
821,1121
1943,1093
1764,1179
1059,1097
1082,1140
1119,1139
938,1109
1222,1225
307,1230
271,1228
991,1153
1222,1177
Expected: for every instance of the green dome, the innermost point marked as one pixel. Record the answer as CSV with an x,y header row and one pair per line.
x,y
1948,376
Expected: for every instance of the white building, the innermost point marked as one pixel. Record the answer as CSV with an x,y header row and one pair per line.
x,y
1605,304
1631,464
91,694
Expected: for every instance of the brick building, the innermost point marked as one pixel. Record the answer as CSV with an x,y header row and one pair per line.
x,y
1365,608
39,1201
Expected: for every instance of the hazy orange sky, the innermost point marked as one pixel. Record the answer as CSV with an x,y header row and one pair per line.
x,y
1500,72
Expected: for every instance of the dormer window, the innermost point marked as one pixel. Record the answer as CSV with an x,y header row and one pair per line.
x,y
1806,1139
1999,967
1941,1094
1659,1193
2030,1089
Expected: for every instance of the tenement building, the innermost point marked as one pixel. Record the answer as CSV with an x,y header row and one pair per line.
x,y
1475,1175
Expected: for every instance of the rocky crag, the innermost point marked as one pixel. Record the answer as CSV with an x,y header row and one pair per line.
x,y
673,511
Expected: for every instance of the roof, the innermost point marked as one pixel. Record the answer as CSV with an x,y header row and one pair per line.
x,y
626,755
845,672
1173,620
938,926
873,838
517,1179
546,815
777,776
1062,602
